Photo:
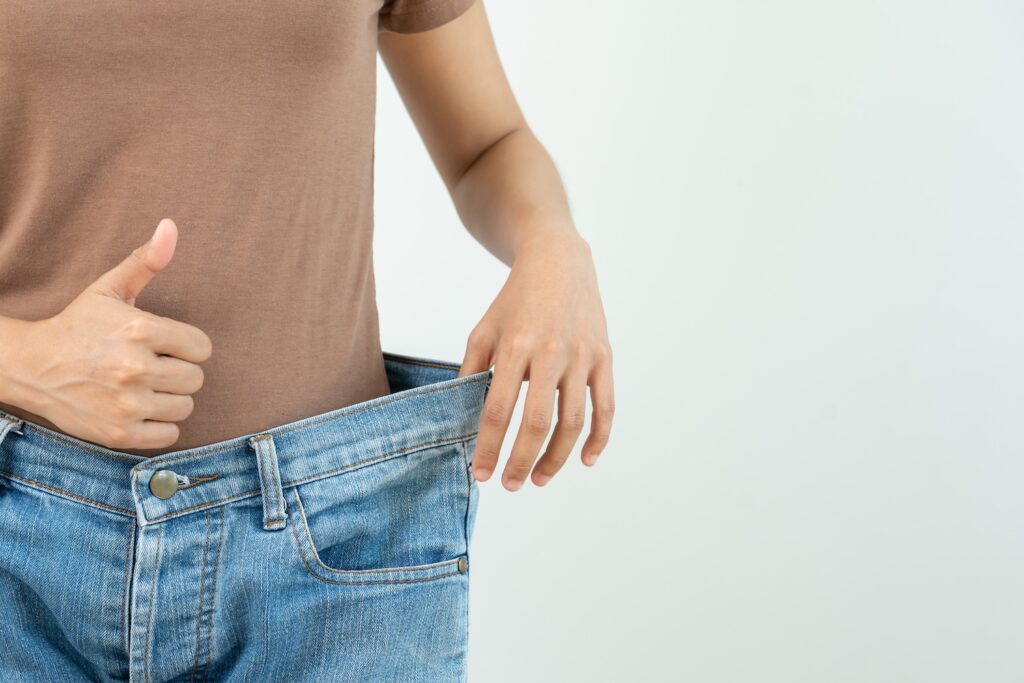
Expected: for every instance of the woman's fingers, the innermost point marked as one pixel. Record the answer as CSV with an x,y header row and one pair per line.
x,y
602,397
536,422
497,413
550,374
572,407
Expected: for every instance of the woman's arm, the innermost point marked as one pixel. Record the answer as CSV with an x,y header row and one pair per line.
x,y
547,324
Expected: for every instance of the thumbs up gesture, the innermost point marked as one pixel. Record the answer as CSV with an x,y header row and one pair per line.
x,y
107,372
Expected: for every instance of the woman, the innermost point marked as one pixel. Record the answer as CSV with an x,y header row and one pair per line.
x,y
311,518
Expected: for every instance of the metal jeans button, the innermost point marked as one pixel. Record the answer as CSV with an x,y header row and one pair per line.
x,y
163,483
463,564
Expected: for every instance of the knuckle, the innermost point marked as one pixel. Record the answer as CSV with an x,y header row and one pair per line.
x,y
141,328
127,406
521,344
478,338
129,371
554,346
602,352
574,420
495,414
538,421
139,253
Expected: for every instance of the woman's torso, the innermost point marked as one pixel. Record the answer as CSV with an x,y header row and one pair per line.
x,y
249,125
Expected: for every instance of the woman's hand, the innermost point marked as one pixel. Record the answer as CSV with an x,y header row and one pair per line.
x,y
106,371
547,325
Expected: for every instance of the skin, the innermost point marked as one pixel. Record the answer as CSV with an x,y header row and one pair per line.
x,y
108,372
547,324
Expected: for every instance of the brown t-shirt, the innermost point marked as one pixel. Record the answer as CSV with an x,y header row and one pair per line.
x,y
251,126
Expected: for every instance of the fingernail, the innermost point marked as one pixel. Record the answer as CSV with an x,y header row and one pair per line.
x,y
481,473
541,479
513,485
591,459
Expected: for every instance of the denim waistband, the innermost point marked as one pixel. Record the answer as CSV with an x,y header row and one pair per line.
x,y
428,406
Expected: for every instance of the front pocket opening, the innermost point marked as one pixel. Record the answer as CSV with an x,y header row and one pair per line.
x,y
315,566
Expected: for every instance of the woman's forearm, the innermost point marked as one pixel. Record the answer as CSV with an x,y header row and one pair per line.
x,y
511,194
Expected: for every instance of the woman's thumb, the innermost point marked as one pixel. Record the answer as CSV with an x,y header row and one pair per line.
x,y
128,278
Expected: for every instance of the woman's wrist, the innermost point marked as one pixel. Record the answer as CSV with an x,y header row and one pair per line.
x,y
14,342
565,240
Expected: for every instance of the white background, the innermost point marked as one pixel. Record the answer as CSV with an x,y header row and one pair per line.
x,y
807,222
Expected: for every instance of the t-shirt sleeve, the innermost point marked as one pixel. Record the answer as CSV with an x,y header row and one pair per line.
x,y
413,16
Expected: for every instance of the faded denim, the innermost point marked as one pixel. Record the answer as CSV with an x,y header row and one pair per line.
x,y
333,548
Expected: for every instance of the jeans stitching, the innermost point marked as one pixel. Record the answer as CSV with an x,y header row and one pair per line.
x,y
202,589
301,517
213,595
127,586
469,492
277,492
152,607
62,493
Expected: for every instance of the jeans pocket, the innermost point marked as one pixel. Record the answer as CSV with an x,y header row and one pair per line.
x,y
398,519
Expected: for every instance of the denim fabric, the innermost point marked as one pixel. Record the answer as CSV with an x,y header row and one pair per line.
x,y
333,548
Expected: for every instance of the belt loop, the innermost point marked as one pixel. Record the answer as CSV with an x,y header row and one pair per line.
x,y
7,425
274,517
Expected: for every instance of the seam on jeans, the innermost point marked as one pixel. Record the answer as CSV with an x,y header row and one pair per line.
x,y
428,389
62,493
469,492
213,595
313,477
266,497
152,598
275,475
301,514
199,506
269,478
202,590
125,611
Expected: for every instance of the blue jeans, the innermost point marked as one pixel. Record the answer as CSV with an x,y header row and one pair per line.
x,y
332,548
